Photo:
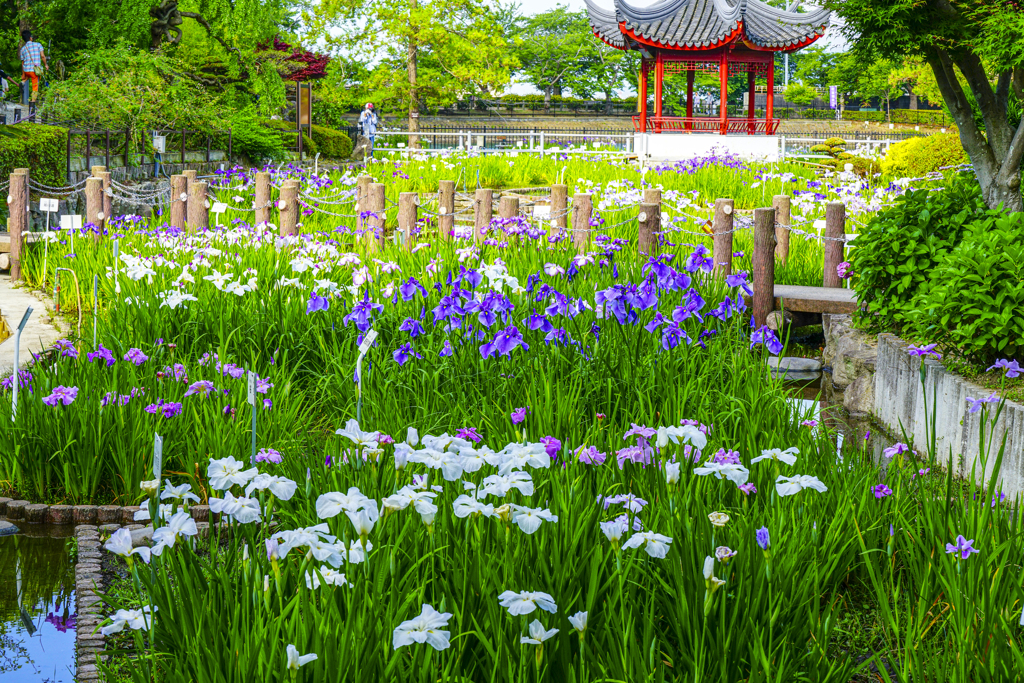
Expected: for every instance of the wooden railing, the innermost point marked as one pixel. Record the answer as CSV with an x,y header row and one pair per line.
x,y
703,124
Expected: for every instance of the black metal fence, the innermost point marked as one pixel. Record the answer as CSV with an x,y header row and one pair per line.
x,y
122,146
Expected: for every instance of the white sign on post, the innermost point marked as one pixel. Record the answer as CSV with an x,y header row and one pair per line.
x,y
541,211
219,207
48,205
159,144
252,388
363,350
158,455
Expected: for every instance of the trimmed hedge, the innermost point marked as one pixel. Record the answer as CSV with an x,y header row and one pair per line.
x,y
917,156
287,133
43,149
332,143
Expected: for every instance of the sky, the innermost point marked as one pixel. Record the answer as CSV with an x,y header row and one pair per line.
x,y
832,40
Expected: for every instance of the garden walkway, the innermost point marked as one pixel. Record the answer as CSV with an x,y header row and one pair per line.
x,y
39,333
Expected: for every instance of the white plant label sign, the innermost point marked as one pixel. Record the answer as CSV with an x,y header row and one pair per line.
x,y
48,205
252,388
158,455
364,348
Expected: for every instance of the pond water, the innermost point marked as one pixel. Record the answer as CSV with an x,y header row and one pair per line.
x,y
37,609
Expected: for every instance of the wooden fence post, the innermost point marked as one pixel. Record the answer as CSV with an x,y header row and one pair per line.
x,y
559,208
408,212
94,205
262,199
483,212
198,213
652,195
362,200
18,221
96,170
446,208
190,178
377,204
179,200
722,227
764,265
508,207
835,245
582,212
108,200
783,216
288,207
650,223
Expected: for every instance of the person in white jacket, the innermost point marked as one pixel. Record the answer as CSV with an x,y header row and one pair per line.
x,y
368,124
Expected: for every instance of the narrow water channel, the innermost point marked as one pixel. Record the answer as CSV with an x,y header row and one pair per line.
x,y
37,608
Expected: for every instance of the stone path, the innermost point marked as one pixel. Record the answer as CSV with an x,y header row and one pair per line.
x,y
39,333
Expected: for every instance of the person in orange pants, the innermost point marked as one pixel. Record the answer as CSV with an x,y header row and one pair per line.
x,y
33,59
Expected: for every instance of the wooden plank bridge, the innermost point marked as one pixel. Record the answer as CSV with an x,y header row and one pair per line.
x,y
800,299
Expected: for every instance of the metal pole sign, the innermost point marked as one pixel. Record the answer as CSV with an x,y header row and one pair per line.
x,y
252,402
117,267
95,307
364,348
17,368
218,208
47,206
158,455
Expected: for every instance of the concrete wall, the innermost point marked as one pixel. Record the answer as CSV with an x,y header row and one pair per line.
x,y
900,405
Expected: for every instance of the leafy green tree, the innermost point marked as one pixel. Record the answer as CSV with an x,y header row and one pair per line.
x,y
800,93
553,46
427,52
976,39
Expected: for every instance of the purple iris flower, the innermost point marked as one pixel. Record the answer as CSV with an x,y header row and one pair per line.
x,y
748,488
448,306
61,394
362,312
102,354
551,446
446,350
268,455
926,350
558,335
975,404
1010,367
317,303
409,288
763,538
691,305
963,547
739,280
699,260
136,356
595,330
203,386
537,321
765,335
66,348
589,455
518,415
403,353
656,322
505,341
412,326
642,431
470,434
895,450
881,491
671,336
724,457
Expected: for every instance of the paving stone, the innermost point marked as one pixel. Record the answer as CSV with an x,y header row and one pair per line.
x,y
793,363
85,514
142,536
36,513
128,514
8,529
108,514
16,509
3,505
60,515
107,529
200,513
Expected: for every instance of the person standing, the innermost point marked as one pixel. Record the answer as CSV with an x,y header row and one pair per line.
x,y
33,59
368,124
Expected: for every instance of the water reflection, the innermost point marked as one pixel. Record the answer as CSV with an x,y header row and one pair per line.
x,y
37,610
850,434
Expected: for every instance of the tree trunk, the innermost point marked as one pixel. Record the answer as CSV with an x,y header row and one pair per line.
x,y
608,102
414,100
547,99
557,88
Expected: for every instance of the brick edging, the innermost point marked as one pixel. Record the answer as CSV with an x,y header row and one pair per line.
x,y
89,642
24,511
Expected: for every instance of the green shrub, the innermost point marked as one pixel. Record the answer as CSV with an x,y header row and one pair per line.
x,y
976,293
43,149
287,136
332,143
915,157
898,249
252,140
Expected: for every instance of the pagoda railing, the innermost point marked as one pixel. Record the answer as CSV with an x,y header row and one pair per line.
x,y
705,124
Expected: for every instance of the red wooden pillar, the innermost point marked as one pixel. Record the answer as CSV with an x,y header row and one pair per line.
x,y
769,109
723,107
690,72
751,98
659,74
642,95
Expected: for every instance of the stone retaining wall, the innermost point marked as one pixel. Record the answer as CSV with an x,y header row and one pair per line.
x,y
24,511
900,402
